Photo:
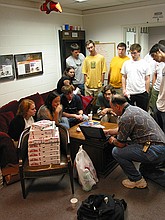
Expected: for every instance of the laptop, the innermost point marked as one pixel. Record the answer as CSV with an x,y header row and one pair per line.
x,y
90,133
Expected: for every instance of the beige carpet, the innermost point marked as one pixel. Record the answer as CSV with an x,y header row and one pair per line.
x,y
48,200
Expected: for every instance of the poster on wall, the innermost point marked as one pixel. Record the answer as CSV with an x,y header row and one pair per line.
x,y
7,71
29,64
108,50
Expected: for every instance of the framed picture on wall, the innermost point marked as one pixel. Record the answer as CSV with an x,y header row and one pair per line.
x,y
29,64
7,70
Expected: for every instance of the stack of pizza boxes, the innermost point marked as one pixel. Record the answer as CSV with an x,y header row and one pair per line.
x,y
44,143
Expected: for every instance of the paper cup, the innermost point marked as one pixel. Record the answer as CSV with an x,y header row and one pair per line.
x,y
74,203
90,117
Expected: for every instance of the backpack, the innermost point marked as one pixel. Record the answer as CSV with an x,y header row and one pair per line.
x,y
101,207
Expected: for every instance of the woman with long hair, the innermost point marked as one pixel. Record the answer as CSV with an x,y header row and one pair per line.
x,y
66,79
52,110
23,119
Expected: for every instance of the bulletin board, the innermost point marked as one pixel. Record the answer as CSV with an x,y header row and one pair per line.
x,y
108,50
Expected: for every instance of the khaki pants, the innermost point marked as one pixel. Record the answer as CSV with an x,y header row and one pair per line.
x,y
92,92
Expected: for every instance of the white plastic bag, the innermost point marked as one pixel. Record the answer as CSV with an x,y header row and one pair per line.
x,y
86,171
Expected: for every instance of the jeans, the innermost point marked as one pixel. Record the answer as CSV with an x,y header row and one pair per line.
x,y
64,122
81,87
134,152
74,121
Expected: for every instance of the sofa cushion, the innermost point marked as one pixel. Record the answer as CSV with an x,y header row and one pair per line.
x,y
11,106
86,100
5,119
37,98
45,94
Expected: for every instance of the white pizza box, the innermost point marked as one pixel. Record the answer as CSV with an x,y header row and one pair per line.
x,y
44,158
39,163
43,140
43,124
48,132
44,153
43,147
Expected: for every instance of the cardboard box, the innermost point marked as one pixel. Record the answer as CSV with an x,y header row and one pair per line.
x,y
40,125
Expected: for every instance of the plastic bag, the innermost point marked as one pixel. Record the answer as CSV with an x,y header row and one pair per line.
x,y
86,171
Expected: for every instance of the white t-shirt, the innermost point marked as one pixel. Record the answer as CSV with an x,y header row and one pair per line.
x,y
153,65
29,122
159,70
135,71
161,97
77,64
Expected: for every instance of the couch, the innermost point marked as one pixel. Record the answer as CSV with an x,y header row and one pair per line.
x,y
8,112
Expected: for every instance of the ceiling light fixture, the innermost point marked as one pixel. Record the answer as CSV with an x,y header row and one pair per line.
x,y
81,1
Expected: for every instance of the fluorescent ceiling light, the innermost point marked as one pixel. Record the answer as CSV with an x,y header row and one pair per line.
x,y
81,0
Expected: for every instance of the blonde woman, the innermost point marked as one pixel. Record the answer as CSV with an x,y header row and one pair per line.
x,y
23,119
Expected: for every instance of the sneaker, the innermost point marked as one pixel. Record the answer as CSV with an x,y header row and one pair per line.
x,y
139,184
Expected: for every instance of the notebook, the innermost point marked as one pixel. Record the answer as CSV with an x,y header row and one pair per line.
x,y
91,132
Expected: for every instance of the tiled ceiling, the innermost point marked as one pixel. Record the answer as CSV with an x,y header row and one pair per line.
x,y
98,4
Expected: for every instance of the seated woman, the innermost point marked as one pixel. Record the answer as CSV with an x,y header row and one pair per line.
x,y
72,106
66,79
52,110
23,119
104,111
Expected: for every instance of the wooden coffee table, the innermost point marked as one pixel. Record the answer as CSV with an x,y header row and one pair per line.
x,y
100,152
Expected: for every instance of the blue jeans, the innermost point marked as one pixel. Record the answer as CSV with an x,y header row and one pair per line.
x,y
134,152
74,121
64,122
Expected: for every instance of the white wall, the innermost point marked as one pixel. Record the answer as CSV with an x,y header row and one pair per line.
x,y
156,34
29,30
108,26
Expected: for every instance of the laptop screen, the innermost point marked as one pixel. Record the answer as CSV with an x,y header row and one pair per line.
x,y
93,132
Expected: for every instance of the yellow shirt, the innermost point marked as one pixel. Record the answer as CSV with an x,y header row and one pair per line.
x,y
115,71
94,67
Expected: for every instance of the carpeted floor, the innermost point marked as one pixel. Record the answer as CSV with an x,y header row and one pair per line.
x,y
50,200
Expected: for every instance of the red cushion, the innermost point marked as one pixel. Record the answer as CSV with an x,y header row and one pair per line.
x,y
45,94
37,98
11,106
5,119
86,100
